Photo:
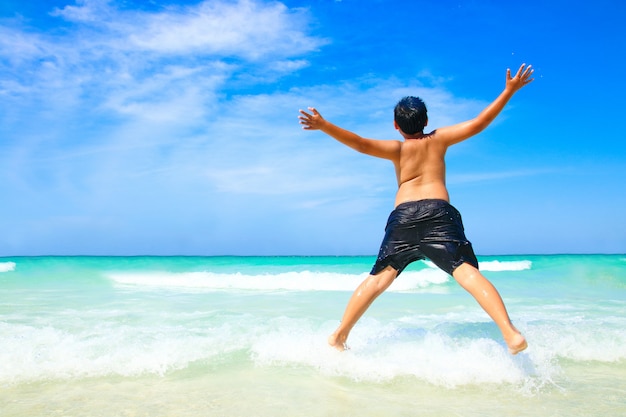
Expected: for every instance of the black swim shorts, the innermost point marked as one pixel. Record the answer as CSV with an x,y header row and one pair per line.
x,y
422,229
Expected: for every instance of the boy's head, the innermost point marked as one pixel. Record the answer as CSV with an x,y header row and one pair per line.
x,y
410,115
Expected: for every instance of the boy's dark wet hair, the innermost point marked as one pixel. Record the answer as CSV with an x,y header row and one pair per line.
x,y
410,115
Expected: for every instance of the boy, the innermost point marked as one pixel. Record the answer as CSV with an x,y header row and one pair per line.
x,y
423,223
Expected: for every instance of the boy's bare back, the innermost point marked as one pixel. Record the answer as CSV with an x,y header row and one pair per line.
x,y
421,170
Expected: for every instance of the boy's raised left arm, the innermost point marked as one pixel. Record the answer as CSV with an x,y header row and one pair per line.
x,y
459,132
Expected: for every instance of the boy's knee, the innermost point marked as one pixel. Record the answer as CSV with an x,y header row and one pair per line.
x,y
384,278
465,272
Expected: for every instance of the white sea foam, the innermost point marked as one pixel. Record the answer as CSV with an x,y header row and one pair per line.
x,y
380,350
497,266
379,353
7,266
290,281
37,353
505,265
586,340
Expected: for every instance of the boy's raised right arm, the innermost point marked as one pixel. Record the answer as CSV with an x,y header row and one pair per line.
x,y
387,149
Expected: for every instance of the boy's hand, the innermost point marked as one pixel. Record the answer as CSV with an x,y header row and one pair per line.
x,y
312,121
522,78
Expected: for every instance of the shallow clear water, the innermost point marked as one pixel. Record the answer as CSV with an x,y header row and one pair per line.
x,y
231,336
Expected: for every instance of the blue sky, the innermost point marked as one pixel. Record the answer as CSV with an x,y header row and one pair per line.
x,y
170,128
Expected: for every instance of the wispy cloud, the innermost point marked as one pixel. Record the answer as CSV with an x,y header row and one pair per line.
x,y
111,50
468,178
245,29
129,79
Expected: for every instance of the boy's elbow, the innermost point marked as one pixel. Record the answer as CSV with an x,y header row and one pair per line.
x,y
478,126
479,129
361,148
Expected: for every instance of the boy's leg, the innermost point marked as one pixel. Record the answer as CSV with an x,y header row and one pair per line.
x,y
489,299
361,299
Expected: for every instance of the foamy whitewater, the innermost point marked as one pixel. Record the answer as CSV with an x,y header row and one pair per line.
x,y
232,336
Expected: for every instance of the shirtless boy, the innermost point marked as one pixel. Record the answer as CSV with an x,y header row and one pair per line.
x,y
423,223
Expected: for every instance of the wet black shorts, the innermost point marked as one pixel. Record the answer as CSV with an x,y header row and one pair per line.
x,y
422,229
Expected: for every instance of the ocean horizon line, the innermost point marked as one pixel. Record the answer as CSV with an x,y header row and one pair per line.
x,y
286,255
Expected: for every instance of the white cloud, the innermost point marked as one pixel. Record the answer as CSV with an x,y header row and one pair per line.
x,y
87,11
246,28
129,58
17,46
495,176
114,70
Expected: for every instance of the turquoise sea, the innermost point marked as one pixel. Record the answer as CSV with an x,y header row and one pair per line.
x,y
246,336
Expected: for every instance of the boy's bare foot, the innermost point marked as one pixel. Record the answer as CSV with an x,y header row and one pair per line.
x,y
337,342
516,344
